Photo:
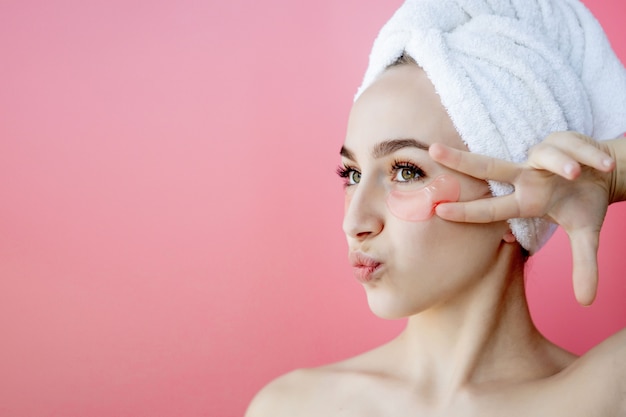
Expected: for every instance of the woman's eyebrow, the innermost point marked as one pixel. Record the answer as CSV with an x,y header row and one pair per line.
x,y
390,146
346,153
387,147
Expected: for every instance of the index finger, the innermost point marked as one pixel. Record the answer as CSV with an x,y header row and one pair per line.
x,y
473,164
485,210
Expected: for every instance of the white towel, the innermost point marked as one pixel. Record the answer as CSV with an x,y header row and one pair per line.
x,y
509,72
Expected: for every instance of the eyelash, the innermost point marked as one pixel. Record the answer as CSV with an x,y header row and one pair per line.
x,y
399,165
345,171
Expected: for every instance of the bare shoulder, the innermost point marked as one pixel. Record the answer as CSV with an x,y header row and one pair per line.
x,y
607,359
297,393
599,376
325,390
282,395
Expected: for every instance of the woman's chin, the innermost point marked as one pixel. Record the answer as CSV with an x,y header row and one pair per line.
x,y
391,308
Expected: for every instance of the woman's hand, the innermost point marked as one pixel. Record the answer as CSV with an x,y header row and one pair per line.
x,y
569,179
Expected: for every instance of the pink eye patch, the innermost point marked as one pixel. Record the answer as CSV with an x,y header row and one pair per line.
x,y
419,205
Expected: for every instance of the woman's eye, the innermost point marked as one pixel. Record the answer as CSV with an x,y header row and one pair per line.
x,y
350,176
406,174
354,177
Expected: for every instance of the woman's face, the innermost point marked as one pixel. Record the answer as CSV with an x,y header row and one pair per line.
x,y
408,264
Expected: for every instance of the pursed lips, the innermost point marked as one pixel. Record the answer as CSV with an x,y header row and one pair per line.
x,y
364,266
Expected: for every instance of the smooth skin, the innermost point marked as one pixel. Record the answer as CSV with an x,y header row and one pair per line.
x,y
470,347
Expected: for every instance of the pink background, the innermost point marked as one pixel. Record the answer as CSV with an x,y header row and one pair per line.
x,y
169,214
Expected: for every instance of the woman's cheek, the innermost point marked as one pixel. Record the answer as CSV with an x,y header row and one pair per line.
x,y
346,205
419,205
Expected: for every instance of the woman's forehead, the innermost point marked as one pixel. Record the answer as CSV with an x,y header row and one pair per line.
x,y
401,104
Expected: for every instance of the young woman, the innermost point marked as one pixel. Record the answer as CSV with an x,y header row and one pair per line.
x,y
429,243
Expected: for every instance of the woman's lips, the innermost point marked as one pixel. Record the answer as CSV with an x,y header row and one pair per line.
x,y
364,266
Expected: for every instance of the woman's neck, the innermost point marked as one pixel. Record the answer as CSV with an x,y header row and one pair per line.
x,y
480,337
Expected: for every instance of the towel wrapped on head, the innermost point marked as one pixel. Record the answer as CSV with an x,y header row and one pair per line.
x,y
510,72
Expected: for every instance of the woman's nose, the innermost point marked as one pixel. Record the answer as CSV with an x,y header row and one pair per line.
x,y
364,211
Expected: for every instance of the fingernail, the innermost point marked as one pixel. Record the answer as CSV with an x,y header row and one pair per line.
x,y
568,169
607,162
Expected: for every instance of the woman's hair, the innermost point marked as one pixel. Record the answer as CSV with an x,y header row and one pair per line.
x,y
403,59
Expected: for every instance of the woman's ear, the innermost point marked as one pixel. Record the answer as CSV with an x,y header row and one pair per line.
x,y
509,237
